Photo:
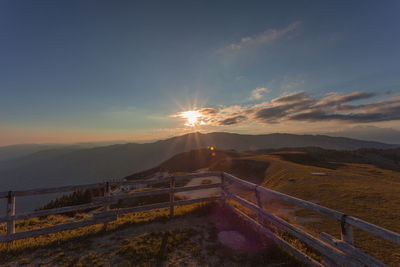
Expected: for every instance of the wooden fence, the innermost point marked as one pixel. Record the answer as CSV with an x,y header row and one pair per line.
x,y
334,252
105,215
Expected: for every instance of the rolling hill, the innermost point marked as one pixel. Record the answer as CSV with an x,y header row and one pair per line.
x,y
364,183
69,165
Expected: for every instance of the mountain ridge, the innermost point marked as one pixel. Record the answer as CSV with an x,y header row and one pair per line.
x,y
114,161
58,167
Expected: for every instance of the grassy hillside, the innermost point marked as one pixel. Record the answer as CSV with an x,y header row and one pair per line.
x,y
348,184
147,238
332,159
190,161
359,189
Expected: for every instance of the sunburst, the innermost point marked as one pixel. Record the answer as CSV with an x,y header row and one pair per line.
x,y
192,117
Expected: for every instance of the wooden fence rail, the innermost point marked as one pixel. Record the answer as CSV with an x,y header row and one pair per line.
x,y
343,218
106,201
339,252
334,252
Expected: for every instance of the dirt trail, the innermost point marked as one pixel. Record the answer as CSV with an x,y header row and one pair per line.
x,y
201,193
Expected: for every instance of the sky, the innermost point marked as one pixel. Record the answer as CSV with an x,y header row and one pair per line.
x,y
78,71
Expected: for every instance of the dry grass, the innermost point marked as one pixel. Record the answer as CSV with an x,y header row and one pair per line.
x,y
146,238
360,190
206,181
10,250
152,248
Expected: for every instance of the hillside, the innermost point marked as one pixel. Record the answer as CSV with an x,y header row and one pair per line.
x,y
62,166
72,165
358,189
193,237
348,181
332,159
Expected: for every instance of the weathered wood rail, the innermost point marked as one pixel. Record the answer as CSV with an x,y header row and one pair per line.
x,y
105,215
334,252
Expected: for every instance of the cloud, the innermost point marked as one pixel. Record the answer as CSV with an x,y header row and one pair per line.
x,y
335,98
232,120
258,92
281,107
208,111
271,114
300,107
291,98
387,114
265,37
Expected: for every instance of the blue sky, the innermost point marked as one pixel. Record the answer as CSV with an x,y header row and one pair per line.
x,y
106,70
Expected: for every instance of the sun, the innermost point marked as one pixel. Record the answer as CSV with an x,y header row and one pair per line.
x,y
192,117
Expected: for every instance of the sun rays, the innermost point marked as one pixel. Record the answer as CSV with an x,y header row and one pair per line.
x,y
192,117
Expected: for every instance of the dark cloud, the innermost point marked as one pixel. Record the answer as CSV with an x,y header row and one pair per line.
x,y
281,107
383,114
271,115
290,98
370,106
301,107
232,120
336,99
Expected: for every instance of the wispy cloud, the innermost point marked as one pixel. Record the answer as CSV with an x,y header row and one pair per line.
x,y
265,37
337,99
258,93
299,106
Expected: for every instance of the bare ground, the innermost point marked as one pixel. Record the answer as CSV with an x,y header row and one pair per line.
x,y
182,241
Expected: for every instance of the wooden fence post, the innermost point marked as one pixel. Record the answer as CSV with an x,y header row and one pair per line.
x,y
107,193
11,212
223,193
260,206
171,196
347,231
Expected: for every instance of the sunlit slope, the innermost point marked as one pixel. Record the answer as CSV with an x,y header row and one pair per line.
x,y
359,189
362,190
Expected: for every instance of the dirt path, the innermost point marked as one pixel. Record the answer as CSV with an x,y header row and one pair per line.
x,y
204,192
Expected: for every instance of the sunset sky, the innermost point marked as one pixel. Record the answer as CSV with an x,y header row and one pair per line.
x,y
75,71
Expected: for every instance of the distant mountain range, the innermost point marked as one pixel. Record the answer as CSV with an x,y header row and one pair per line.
x,y
63,165
368,132
71,165
15,151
